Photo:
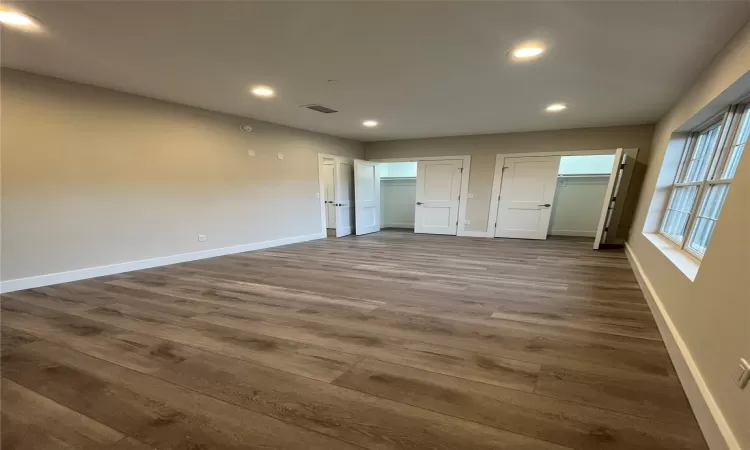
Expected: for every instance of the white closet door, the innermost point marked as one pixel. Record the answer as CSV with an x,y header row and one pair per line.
x,y
612,187
366,197
527,190
438,195
344,198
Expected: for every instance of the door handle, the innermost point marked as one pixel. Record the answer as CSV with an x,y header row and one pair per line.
x,y
420,203
546,205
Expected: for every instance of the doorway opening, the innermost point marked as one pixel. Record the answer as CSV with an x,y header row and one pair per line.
x,y
398,194
336,194
581,186
427,195
565,194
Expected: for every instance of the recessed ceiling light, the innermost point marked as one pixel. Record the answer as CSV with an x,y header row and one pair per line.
x,y
527,51
18,20
370,123
263,91
555,107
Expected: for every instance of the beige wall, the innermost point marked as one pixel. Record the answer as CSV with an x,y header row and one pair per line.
x,y
93,177
711,314
484,148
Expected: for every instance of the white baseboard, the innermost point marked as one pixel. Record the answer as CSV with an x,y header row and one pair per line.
x,y
711,420
469,233
576,233
93,272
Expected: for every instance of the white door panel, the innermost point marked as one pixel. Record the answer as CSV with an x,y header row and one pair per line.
x,y
344,198
329,197
438,194
330,215
366,197
436,217
527,190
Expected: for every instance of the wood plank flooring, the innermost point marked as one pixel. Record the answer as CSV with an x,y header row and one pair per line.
x,y
385,341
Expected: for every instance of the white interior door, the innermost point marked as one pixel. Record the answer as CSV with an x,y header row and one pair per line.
x,y
366,197
328,194
609,197
438,195
344,172
527,189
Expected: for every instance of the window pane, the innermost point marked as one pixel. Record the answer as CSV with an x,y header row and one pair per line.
x,y
701,158
714,201
674,224
703,230
737,147
707,217
683,198
678,211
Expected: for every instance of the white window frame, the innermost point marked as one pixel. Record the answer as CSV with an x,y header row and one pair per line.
x,y
729,122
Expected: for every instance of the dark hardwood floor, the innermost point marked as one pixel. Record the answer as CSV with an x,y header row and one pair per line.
x,y
390,340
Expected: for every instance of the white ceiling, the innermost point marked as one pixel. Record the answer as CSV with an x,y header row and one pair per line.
x,y
420,68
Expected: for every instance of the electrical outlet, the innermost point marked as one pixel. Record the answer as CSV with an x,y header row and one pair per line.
x,y
743,373
467,222
201,238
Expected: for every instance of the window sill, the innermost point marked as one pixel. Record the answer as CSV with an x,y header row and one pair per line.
x,y
684,261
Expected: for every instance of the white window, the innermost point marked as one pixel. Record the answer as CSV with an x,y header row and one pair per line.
x,y
708,165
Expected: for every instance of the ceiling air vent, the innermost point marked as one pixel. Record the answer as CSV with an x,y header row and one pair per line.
x,y
320,109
